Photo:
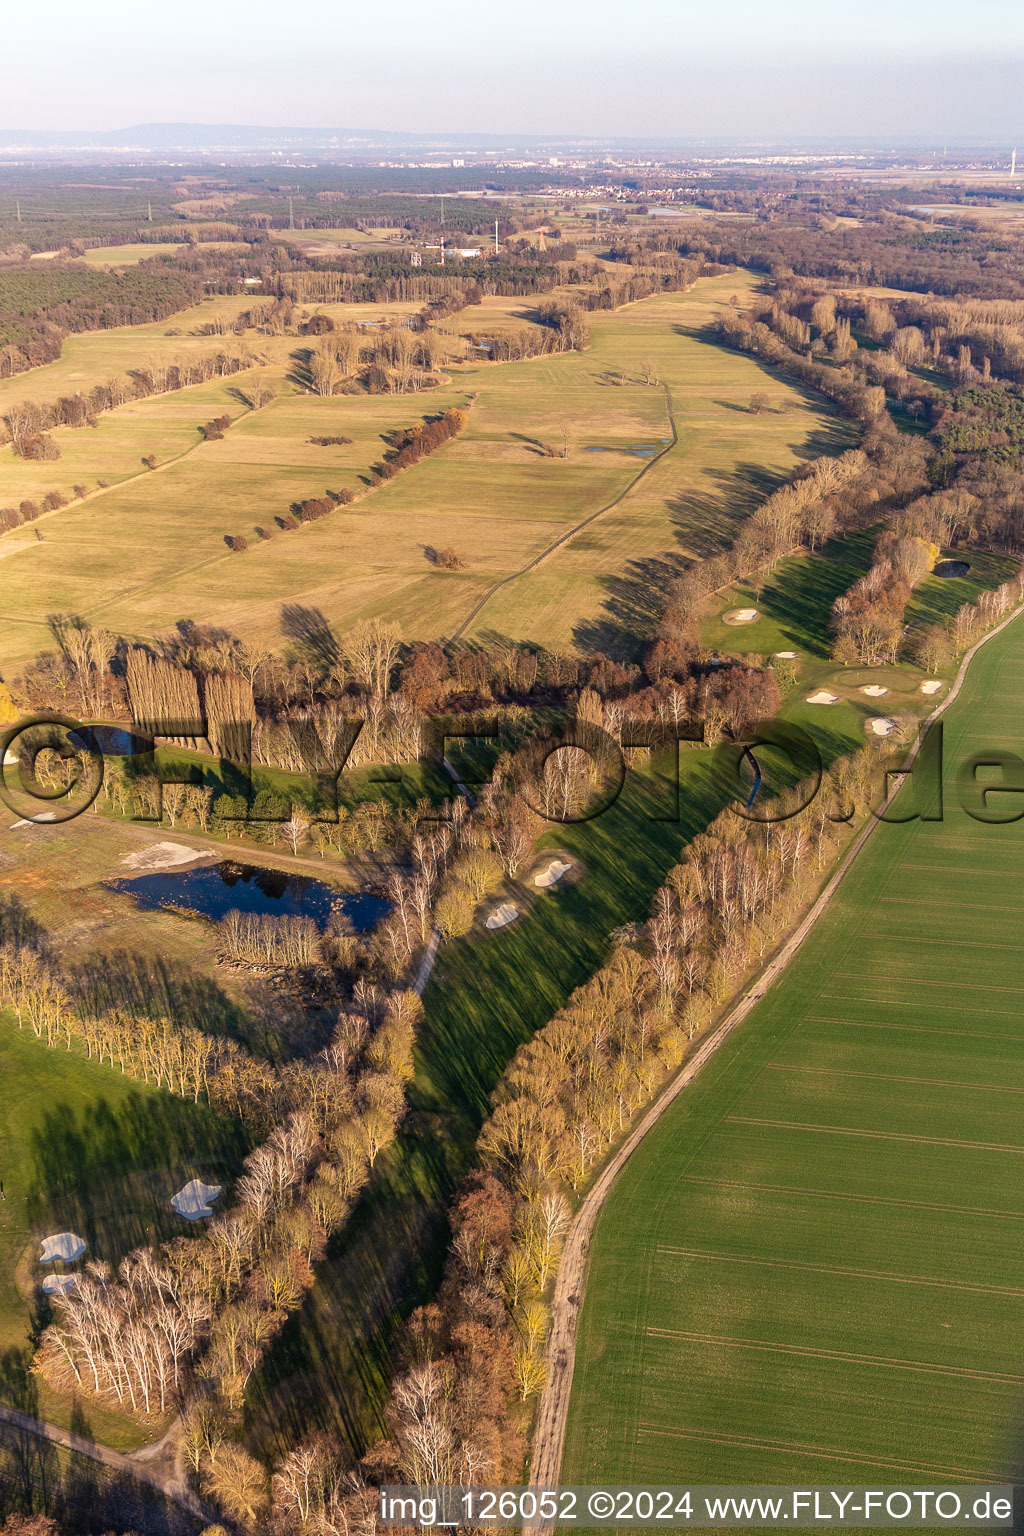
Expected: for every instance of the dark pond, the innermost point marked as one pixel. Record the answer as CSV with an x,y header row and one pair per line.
x,y
952,568
112,740
217,889
641,453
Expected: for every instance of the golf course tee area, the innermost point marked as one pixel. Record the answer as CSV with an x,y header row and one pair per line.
x,y
811,1268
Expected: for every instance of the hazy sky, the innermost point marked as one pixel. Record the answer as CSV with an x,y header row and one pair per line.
x,y
669,67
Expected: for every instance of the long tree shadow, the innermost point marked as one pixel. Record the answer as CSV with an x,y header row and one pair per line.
x,y
800,592
155,987
311,633
329,1368
17,925
107,1171
704,525
38,1478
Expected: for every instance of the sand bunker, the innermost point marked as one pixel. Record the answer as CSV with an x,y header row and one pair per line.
x,y
823,697
875,690
32,821
786,655
62,1245
932,685
742,616
55,1285
554,872
162,856
502,916
881,726
194,1201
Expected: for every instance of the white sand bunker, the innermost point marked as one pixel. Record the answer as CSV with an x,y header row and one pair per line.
x,y
875,690
786,655
162,856
932,685
881,726
62,1245
555,871
742,616
56,1285
823,697
194,1201
502,916
31,821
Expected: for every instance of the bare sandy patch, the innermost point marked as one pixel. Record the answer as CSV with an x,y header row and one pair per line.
x,y
822,697
195,1200
163,856
66,1246
552,873
502,916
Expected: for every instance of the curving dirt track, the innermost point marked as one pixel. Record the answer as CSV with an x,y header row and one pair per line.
x,y
553,1410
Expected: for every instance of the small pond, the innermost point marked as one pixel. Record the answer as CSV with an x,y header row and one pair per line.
x,y
112,740
217,889
639,452
951,568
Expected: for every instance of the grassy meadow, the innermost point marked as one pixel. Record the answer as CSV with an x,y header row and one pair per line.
x,y
138,555
810,1269
84,1149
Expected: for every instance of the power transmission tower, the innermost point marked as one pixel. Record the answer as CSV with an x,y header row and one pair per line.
x,y
495,237
17,204
291,213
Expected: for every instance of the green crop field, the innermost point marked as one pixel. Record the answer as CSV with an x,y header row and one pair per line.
x,y
136,556
810,1270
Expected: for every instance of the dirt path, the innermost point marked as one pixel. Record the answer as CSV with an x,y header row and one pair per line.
x,y
170,1487
553,1411
571,533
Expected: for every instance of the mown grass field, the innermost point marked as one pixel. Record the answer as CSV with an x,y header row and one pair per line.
x,y
84,1149
489,992
139,555
810,1269
81,1147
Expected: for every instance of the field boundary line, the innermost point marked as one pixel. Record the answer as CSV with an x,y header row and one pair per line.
x,y
578,528
888,1077
819,1452
843,1356
548,1441
927,981
912,1137
914,1029
843,1271
843,1194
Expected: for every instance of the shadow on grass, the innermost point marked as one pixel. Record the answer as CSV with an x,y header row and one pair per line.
x,y
84,1497
108,1171
489,993
800,591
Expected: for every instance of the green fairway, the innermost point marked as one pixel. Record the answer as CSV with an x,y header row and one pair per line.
x,y
86,1150
810,1269
794,603
489,992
